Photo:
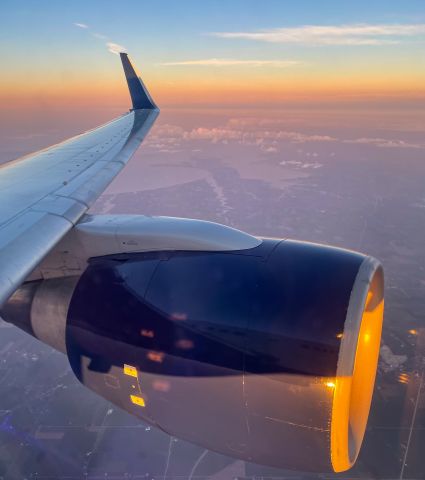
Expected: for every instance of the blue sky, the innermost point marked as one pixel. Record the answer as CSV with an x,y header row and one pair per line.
x,y
165,28
40,41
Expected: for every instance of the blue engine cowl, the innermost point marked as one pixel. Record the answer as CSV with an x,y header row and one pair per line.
x,y
266,354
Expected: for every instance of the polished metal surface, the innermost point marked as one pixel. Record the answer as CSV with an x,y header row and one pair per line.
x,y
99,235
49,311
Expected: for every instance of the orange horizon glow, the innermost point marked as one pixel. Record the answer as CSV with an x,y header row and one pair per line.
x,y
237,86
205,97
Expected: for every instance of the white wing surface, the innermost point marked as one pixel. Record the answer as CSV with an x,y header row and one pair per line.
x,y
44,194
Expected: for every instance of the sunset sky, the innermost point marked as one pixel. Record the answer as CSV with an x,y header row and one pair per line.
x,y
221,53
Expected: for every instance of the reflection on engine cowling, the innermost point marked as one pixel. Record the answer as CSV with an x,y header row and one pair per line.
x,y
235,351
267,354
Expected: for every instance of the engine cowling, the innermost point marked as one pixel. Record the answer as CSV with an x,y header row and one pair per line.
x,y
267,354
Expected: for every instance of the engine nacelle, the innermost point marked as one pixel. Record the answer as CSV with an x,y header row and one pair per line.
x,y
267,354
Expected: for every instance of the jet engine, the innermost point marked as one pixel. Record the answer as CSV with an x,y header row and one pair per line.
x,y
260,349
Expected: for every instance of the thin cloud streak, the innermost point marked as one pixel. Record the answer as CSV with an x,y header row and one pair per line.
x,y
111,46
229,62
384,143
99,36
354,34
115,48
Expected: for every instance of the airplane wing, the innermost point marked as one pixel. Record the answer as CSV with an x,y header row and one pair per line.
x,y
44,194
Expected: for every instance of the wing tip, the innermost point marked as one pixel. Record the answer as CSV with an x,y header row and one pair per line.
x,y
140,96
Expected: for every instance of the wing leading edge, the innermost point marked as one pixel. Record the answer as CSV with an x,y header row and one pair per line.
x,y
44,194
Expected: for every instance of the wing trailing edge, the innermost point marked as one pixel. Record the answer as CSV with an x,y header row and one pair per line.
x,y
139,93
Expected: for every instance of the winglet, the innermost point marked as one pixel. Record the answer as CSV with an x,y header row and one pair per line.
x,y
138,92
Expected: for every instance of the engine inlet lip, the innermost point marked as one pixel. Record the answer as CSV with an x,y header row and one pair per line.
x,y
347,410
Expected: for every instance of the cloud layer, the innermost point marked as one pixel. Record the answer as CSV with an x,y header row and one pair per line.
x,y
266,135
384,142
230,62
354,34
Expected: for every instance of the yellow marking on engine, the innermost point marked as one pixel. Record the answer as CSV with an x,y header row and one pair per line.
x,y
129,370
137,400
